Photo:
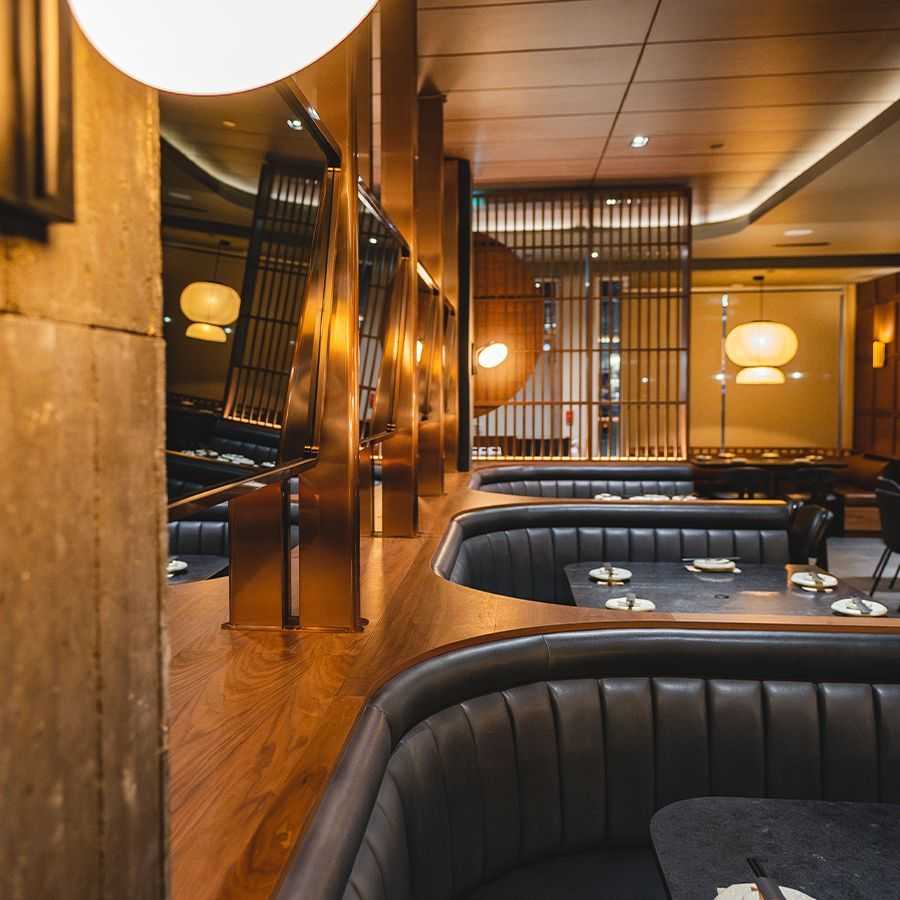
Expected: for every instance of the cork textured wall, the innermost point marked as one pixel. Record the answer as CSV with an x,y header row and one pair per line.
x,y
81,430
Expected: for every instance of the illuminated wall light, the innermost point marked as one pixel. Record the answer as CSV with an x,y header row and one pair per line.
x,y
492,355
879,354
639,141
207,48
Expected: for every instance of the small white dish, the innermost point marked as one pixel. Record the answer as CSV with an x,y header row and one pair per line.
x,y
734,571
652,497
638,605
726,454
847,607
714,564
703,457
806,580
607,497
771,454
751,892
173,566
608,575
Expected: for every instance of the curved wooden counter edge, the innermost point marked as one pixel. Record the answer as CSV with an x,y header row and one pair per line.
x,y
258,719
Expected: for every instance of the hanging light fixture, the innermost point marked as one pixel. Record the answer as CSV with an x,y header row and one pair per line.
x,y
761,346
215,46
492,355
210,305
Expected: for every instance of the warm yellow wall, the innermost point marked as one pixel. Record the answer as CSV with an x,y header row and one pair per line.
x,y
804,411
81,432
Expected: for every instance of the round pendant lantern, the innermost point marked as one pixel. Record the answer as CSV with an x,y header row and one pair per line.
x,y
760,347
215,46
209,305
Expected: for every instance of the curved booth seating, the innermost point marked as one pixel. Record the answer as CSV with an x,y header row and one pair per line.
x,y
585,482
521,550
531,767
206,533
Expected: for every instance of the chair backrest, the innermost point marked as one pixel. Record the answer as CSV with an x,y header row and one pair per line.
x,y
889,510
485,759
809,525
585,482
521,550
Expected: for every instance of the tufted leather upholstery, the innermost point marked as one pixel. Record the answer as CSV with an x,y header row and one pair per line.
x,y
198,538
521,551
585,482
531,767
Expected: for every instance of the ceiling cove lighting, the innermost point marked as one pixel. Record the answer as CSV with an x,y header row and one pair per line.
x,y
492,355
760,346
214,46
639,141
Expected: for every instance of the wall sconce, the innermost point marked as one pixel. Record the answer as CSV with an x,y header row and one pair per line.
x,y
491,355
879,351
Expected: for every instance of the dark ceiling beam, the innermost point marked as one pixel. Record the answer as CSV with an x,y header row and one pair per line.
x,y
837,261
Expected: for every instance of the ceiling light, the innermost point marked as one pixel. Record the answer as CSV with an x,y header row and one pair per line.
x,y
373,240
210,305
167,319
203,331
595,254
492,355
760,375
639,140
295,124
213,48
611,201
547,347
798,232
797,375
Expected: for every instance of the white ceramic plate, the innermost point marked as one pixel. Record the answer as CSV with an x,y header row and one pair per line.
x,y
621,603
750,892
607,497
603,574
847,607
715,564
653,497
806,580
175,565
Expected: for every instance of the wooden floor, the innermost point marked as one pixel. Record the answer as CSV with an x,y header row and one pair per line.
x,y
258,719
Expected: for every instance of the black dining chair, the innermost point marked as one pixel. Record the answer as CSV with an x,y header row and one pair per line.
x,y
889,510
809,527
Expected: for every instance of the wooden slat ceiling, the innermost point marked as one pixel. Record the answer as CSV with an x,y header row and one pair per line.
x,y
553,91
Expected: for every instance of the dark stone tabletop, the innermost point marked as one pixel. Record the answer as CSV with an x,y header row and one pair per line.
x,y
200,567
758,589
830,851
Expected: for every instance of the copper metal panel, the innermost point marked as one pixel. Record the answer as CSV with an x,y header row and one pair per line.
x,y
329,493
258,549
399,144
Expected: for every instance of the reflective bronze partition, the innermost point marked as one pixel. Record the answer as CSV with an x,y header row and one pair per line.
x,y
581,300
248,197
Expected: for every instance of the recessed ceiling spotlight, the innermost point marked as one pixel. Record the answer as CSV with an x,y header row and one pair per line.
x,y
373,240
798,232
639,140
229,124
295,124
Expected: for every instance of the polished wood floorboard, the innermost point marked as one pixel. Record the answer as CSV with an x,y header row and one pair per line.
x,y
257,719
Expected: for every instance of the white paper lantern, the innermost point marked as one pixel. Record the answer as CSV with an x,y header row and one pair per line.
x,y
209,301
761,343
215,46
203,331
760,375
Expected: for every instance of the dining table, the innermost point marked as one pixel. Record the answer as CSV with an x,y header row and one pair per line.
x,y
827,850
756,588
200,566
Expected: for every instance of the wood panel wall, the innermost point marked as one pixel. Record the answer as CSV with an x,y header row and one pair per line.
x,y
876,420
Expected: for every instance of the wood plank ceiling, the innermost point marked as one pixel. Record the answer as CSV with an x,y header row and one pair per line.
x,y
736,96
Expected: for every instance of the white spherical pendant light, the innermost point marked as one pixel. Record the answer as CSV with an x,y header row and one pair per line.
x,y
761,343
209,301
215,46
760,375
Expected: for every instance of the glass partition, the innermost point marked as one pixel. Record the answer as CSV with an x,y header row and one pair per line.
x,y
246,201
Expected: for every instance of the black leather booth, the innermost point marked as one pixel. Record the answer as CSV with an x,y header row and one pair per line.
x,y
585,482
521,550
530,768
206,533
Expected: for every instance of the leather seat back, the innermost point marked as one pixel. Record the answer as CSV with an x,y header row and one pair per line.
x,y
585,482
521,551
477,762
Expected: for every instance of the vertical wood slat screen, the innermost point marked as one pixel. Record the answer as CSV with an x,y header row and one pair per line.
x,y
284,221
589,288
379,254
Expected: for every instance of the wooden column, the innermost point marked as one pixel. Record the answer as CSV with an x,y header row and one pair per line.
x,y
399,133
450,285
329,493
429,241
